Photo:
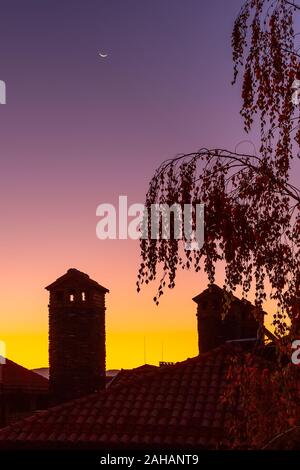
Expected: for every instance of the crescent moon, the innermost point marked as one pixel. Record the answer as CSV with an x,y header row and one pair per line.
x,y
103,55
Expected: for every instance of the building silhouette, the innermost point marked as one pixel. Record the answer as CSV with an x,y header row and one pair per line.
x,y
174,406
76,336
21,392
222,319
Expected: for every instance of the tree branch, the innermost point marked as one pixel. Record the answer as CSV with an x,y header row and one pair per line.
x,y
292,4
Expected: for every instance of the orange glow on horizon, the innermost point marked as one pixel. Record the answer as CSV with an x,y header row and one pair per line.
x,y
169,331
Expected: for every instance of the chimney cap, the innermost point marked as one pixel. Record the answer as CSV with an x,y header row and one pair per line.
x,y
77,277
211,289
215,290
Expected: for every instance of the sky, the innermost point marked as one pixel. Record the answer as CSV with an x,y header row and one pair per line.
x,y
79,130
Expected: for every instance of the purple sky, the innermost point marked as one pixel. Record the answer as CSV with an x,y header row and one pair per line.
x,y
78,130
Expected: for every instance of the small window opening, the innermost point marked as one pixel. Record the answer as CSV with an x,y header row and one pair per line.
x,y
72,297
83,296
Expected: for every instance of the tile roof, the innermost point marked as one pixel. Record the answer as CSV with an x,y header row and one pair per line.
x,y
173,406
13,376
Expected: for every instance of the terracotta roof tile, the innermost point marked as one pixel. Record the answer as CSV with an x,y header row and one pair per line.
x,y
175,405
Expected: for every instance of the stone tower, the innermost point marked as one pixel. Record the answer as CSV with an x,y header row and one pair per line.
x,y
215,328
76,335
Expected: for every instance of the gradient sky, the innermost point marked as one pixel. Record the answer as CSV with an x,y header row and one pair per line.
x,y
78,130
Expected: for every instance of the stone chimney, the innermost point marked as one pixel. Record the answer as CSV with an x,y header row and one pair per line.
x,y
216,325
76,336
